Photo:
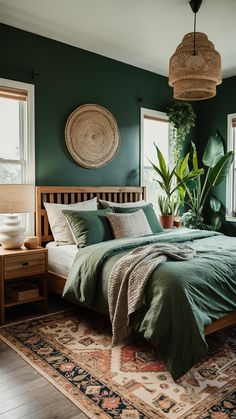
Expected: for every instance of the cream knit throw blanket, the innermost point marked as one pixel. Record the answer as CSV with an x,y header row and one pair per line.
x,y
128,280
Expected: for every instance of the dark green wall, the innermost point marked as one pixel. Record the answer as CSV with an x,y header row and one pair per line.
x,y
70,77
212,116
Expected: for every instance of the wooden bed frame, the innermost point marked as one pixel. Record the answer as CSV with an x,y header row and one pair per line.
x,y
72,194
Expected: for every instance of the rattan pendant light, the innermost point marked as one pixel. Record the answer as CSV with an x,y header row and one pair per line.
x,y
195,67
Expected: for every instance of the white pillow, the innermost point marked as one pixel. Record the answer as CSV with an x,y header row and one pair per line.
x,y
133,224
58,223
109,204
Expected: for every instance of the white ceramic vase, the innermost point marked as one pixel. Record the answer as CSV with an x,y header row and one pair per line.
x,y
11,232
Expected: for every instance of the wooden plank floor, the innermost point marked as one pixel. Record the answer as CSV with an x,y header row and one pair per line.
x,y
24,393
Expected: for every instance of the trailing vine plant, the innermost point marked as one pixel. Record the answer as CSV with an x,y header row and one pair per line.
x,y
182,119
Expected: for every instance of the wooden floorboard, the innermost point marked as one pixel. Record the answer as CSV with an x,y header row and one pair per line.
x,y
24,393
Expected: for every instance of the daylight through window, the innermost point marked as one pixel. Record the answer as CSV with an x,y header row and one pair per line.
x,y
17,135
155,129
231,189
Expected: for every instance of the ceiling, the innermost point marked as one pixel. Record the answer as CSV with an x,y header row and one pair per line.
x,y
143,33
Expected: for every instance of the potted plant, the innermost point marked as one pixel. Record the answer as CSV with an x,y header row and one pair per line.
x,y
166,217
173,182
217,163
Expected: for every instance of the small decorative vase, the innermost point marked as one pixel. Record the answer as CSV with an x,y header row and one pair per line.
x,y
11,232
167,221
31,242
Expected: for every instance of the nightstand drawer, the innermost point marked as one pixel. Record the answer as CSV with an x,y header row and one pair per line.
x,y
25,264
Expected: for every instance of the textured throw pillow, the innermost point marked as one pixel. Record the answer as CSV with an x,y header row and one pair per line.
x,y
148,211
129,225
89,227
59,226
109,204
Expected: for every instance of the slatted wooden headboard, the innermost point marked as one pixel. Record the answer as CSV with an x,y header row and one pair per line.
x,y
72,194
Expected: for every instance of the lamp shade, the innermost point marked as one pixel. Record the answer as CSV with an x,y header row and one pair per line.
x,y
17,198
195,76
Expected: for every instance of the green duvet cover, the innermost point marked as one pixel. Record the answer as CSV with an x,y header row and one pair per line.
x,y
181,297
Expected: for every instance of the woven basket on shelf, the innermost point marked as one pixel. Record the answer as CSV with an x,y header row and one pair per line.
x,y
195,77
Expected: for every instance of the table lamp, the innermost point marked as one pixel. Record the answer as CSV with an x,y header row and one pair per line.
x,y
14,199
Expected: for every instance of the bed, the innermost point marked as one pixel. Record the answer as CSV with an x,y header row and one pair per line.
x,y
57,194
70,195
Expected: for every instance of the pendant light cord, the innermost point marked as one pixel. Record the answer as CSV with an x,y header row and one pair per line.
x,y
194,34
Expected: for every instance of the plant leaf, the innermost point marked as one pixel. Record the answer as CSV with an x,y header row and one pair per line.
x,y
214,150
216,223
181,194
195,158
191,184
219,172
156,169
184,165
215,204
161,160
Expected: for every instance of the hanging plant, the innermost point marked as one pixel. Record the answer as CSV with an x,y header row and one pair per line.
x,y
182,118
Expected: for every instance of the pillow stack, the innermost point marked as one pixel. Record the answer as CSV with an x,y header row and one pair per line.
x,y
82,223
58,223
132,207
89,227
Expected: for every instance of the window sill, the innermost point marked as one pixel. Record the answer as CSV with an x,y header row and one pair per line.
x,y
231,219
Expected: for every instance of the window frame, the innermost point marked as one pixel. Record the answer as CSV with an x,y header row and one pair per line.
x,y
230,183
27,140
155,114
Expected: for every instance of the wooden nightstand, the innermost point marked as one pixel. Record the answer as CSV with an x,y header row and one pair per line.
x,y
18,265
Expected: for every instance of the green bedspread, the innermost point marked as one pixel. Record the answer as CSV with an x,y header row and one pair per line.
x,y
181,297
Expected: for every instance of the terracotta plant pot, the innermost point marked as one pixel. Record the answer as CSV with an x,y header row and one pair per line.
x,y
167,221
177,221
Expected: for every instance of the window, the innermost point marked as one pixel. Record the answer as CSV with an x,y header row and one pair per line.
x,y
154,129
231,181
17,161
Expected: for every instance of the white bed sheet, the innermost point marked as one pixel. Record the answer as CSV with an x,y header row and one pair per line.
x,y
61,258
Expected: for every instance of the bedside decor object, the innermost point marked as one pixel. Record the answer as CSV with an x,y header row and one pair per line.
x,y
195,67
19,271
22,291
14,199
92,136
31,242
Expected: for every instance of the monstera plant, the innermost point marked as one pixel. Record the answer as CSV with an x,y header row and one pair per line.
x,y
217,164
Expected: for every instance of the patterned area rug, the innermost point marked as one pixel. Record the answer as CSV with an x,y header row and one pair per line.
x,y
73,351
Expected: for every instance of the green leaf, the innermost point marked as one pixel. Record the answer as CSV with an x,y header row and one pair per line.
x,y
195,158
216,223
191,184
184,165
215,204
161,160
181,194
219,172
214,150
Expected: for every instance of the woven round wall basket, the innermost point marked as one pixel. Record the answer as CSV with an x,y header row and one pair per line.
x,y
92,136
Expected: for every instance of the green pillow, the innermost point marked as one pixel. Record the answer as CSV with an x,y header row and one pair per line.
x,y
89,227
148,211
